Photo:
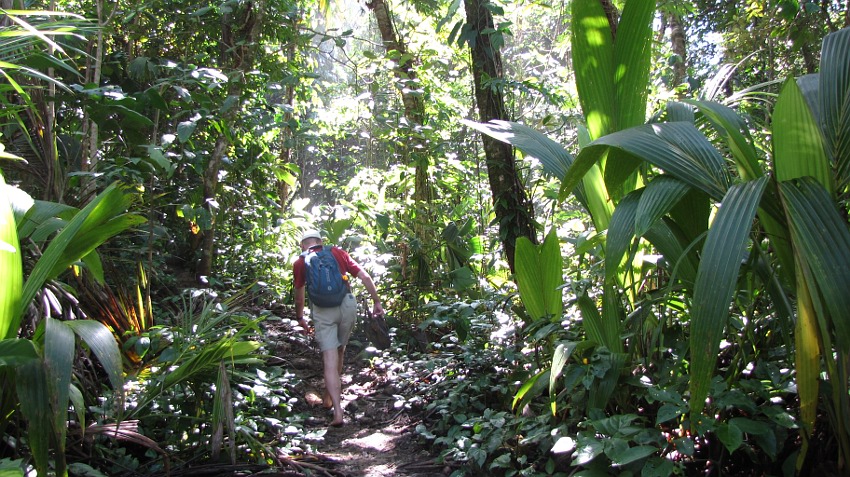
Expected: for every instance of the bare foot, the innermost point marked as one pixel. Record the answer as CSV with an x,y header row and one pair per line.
x,y
336,423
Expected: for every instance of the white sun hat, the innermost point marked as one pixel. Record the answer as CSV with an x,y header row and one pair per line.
x,y
312,233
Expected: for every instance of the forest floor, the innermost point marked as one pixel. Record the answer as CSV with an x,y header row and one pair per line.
x,y
378,438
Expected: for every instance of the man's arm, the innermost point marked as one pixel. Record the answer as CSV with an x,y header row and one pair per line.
x,y
364,277
299,310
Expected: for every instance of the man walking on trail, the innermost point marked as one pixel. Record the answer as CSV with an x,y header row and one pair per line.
x,y
333,324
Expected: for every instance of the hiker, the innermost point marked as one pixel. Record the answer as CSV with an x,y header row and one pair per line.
x,y
333,314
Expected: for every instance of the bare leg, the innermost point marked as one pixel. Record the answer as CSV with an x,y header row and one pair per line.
x,y
326,397
333,382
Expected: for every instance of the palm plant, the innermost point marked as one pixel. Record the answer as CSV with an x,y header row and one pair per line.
x,y
36,50
39,370
612,74
41,367
798,250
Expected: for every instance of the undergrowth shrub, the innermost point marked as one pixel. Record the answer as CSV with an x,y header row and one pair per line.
x,y
492,408
202,393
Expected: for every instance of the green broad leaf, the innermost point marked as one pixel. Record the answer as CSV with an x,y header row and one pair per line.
x,y
730,435
668,412
587,449
599,204
621,232
602,389
716,280
798,149
185,130
93,236
102,343
59,346
593,63
12,468
685,446
559,359
591,319
156,100
632,60
822,240
16,352
31,386
677,252
462,278
679,149
618,425
751,426
678,111
526,387
632,454
691,215
94,266
661,194
11,269
529,282
735,132
41,219
807,355
88,229
554,158
131,118
75,396
552,272
834,92
658,467
539,275
157,157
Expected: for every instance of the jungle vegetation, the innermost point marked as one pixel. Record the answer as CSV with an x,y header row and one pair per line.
x,y
614,233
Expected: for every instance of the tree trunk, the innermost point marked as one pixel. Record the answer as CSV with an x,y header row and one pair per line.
x,y
416,150
414,107
613,15
239,35
679,48
511,205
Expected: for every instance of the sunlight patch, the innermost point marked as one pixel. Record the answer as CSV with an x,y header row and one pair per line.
x,y
377,441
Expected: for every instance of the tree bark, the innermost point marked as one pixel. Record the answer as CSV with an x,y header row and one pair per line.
x,y
414,107
239,36
679,48
511,205
613,15
416,150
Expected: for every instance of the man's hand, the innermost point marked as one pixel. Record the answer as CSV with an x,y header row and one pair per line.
x,y
305,329
377,310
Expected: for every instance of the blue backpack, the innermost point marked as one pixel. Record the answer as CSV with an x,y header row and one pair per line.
x,y
326,286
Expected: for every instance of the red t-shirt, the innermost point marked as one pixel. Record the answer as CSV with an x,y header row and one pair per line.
x,y
345,262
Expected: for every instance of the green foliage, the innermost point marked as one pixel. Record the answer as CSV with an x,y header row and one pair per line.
x,y
539,271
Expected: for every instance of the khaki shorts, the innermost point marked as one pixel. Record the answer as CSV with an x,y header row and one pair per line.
x,y
333,325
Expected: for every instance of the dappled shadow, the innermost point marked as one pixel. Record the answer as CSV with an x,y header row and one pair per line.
x,y
378,438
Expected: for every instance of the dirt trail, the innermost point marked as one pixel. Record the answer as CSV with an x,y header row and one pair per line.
x,y
378,438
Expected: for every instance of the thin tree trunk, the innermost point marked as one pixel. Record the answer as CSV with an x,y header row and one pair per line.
x,y
511,205
239,58
613,15
414,107
416,151
679,48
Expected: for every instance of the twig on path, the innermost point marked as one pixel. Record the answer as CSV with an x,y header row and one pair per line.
x,y
424,466
300,466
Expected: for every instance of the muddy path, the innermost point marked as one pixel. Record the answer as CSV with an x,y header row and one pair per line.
x,y
378,438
